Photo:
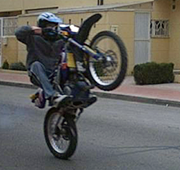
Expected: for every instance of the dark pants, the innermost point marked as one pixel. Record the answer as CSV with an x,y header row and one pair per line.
x,y
39,77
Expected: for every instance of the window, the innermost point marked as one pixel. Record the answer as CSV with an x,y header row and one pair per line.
x,y
100,2
159,28
9,26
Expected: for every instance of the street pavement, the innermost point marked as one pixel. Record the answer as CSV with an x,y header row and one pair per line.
x,y
112,135
164,94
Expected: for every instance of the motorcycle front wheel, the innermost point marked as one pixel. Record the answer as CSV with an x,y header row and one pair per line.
x,y
60,134
109,72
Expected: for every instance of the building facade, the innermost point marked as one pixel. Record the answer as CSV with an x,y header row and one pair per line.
x,y
149,28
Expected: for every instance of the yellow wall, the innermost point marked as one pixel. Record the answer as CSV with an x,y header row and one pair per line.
x,y
161,9
14,5
9,49
27,20
11,5
123,1
77,3
160,50
167,49
36,4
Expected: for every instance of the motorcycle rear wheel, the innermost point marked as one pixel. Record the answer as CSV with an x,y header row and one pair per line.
x,y
60,134
108,74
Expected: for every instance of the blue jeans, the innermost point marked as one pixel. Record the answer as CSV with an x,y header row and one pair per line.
x,y
39,77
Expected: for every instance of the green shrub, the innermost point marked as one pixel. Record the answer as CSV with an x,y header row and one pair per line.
x,y
18,66
5,65
153,73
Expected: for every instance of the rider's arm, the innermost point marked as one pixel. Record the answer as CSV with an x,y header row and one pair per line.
x,y
24,33
36,30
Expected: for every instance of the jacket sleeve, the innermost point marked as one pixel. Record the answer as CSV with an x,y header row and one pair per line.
x,y
24,34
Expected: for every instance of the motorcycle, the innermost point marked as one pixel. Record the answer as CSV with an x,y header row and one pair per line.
x,y
105,60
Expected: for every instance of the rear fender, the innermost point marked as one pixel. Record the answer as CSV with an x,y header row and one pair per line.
x,y
85,28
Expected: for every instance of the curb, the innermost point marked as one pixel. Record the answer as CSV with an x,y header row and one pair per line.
x,y
13,71
138,99
18,84
109,95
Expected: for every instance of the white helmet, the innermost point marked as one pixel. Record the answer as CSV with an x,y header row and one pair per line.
x,y
47,17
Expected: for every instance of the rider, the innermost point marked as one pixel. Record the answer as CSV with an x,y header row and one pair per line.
x,y
44,49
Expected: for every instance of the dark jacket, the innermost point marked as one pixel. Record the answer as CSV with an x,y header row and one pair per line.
x,y
39,49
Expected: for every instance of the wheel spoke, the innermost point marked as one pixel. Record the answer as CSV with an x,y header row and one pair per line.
x,y
59,144
105,73
60,133
108,72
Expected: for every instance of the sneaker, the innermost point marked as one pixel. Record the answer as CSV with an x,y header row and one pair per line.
x,y
80,66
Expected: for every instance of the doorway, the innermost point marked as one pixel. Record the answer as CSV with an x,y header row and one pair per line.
x,y
142,37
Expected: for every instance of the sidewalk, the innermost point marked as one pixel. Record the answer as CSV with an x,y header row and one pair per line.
x,y
165,94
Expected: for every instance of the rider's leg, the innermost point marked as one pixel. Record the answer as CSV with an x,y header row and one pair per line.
x,y
40,75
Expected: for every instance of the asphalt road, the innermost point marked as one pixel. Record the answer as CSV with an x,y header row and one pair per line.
x,y
113,135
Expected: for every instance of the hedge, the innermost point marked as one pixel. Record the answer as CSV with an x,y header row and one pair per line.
x,y
153,73
5,65
17,66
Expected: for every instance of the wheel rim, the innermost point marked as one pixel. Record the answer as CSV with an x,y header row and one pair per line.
x,y
105,73
58,135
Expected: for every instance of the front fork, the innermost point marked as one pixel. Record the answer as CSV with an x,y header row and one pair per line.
x,y
58,128
86,49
